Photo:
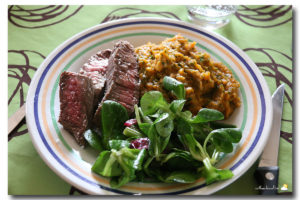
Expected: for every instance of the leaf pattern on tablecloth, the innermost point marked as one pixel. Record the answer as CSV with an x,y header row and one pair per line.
x,y
126,12
277,66
40,16
264,16
20,71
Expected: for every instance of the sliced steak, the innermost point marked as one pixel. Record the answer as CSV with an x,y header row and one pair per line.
x,y
122,80
76,104
95,68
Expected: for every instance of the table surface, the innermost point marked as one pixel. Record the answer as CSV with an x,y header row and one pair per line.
x,y
263,32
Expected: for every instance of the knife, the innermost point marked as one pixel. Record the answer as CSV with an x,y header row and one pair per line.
x,y
16,118
267,171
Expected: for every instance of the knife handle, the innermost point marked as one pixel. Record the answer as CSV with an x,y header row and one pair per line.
x,y
267,179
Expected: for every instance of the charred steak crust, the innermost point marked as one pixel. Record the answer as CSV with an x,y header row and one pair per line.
x,y
95,68
76,104
122,79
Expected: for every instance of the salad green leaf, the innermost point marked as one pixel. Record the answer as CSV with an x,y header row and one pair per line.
x,y
93,139
107,165
131,132
182,176
118,144
152,101
174,86
157,142
207,115
113,117
176,106
223,138
120,165
164,125
212,174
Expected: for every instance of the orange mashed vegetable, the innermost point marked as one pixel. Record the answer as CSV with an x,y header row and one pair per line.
x,y
207,83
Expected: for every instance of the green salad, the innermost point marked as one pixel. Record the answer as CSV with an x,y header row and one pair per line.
x,y
163,143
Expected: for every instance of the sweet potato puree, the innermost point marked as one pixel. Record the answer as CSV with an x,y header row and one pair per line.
x,y
207,83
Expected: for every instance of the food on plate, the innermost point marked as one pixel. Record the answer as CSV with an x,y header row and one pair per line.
x,y
163,143
76,104
122,80
79,94
95,69
152,112
207,83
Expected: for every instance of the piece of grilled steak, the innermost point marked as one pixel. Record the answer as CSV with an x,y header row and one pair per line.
x,y
95,68
122,80
76,104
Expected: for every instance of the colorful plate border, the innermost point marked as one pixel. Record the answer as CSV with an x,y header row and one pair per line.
x,y
160,22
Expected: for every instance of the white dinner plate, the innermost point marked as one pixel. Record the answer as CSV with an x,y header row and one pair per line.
x,y
72,163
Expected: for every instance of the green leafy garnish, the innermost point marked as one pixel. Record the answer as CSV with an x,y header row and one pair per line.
x,y
174,86
113,117
118,144
179,147
152,101
93,139
207,115
119,165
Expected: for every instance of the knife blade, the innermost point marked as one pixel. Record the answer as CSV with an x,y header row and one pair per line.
x,y
268,171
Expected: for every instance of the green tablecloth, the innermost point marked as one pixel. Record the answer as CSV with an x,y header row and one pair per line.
x,y
263,32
